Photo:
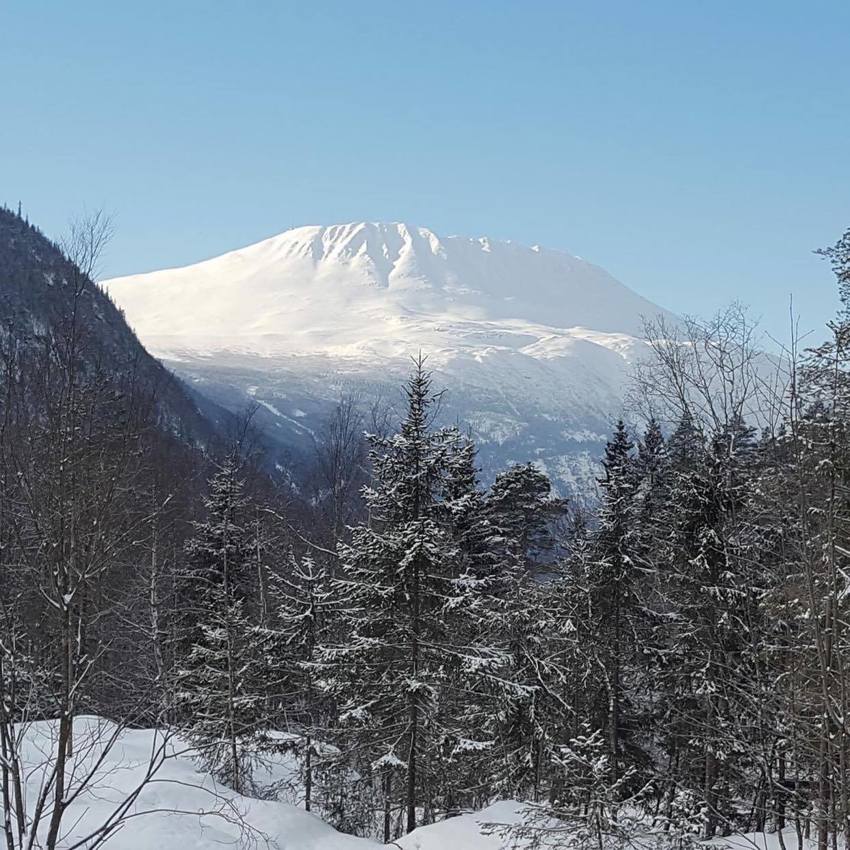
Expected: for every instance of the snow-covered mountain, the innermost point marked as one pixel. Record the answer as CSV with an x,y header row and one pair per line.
x,y
533,345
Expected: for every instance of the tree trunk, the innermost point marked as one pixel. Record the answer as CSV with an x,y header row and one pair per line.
x,y
308,774
411,765
387,807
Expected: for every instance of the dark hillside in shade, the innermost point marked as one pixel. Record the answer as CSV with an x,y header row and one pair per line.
x,y
37,302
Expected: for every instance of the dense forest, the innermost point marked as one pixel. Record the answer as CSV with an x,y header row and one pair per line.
x,y
665,659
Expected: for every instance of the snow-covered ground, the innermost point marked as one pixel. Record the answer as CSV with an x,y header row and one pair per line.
x,y
761,841
183,808
474,831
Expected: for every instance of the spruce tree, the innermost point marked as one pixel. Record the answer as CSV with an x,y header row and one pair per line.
x,y
301,607
616,598
218,695
521,509
710,595
399,590
524,703
652,492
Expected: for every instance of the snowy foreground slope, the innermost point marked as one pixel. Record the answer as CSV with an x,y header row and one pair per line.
x,y
533,345
182,808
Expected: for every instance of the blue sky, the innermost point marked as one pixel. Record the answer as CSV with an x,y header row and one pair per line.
x,y
699,151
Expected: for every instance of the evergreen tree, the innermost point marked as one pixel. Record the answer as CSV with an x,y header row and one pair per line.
x,y
525,707
709,598
652,492
218,694
400,591
301,601
521,509
615,598
585,810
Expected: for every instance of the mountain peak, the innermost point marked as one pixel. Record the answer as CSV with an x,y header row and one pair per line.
x,y
322,288
382,244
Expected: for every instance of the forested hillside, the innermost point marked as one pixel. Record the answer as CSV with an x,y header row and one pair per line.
x,y
48,299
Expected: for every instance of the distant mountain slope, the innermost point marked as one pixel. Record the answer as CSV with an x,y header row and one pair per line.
x,y
533,345
36,302
359,288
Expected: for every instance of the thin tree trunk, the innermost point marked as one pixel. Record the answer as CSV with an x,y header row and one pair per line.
x,y
387,809
308,773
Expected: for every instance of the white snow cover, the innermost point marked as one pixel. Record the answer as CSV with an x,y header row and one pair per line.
x,y
182,808
176,809
473,831
171,808
379,288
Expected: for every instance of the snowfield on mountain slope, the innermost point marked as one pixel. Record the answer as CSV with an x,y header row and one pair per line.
x,y
349,290
534,346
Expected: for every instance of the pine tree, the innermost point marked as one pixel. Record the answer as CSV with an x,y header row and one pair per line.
x,y
401,588
301,602
615,598
218,695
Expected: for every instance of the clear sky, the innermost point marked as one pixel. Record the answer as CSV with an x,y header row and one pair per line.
x,y
698,150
